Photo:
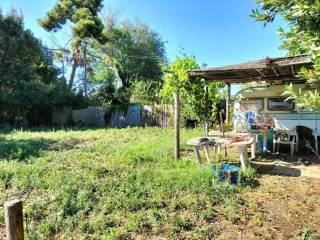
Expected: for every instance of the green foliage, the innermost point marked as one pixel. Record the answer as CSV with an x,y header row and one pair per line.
x,y
176,76
181,223
22,52
248,177
192,92
304,99
124,63
129,64
233,213
29,88
86,26
104,81
84,16
301,37
146,92
307,234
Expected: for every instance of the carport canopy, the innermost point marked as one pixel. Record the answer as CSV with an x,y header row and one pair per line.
x,y
269,70
273,70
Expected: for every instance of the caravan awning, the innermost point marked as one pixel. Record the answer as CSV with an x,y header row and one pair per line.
x,y
277,70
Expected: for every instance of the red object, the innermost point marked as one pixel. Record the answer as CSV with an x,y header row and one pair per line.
x,y
238,139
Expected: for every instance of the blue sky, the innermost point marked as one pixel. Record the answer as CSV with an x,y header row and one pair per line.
x,y
217,32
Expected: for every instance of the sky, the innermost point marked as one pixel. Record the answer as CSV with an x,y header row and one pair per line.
x,y
216,32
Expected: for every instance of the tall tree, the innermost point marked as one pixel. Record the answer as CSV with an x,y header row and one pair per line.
x,y
29,83
26,72
86,24
137,53
195,104
192,96
301,36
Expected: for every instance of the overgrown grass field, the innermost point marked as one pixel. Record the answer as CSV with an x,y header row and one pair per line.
x,y
124,184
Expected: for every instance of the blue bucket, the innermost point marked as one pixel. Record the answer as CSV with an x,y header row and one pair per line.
x,y
269,142
223,169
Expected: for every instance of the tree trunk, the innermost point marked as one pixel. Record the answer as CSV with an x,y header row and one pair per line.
x,y
73,73
177,125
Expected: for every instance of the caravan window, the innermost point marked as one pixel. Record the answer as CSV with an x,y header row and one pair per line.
x,y
252,105
279,104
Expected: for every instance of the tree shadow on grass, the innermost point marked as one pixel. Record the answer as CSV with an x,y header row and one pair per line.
x,y
277,169
52,129
22,149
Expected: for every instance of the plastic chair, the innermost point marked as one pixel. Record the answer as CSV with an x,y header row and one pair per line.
x,y
285,137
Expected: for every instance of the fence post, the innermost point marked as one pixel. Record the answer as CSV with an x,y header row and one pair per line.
x,y
176,125
14,220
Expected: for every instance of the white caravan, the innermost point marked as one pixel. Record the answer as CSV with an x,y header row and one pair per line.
x,y
267,104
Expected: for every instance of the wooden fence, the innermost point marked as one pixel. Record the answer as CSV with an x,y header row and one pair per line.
x,y
117,116
140,115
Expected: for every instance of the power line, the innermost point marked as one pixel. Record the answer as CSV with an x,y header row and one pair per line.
x,y
96,56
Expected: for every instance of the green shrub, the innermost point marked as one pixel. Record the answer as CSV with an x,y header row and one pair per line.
x,y
248,177
307,234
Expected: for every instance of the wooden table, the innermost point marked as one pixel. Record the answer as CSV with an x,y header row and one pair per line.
x,y
222,142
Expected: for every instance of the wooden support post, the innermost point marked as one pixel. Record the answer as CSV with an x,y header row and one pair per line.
x,y
177,125
14,220
222,130
228,104
206,120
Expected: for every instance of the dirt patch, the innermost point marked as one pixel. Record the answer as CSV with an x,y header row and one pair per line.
x,y
289,168
87,143
2,231
279,209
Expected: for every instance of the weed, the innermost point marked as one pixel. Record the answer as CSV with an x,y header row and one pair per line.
x,y
205,233
307,234
247,177
180,223
232,212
